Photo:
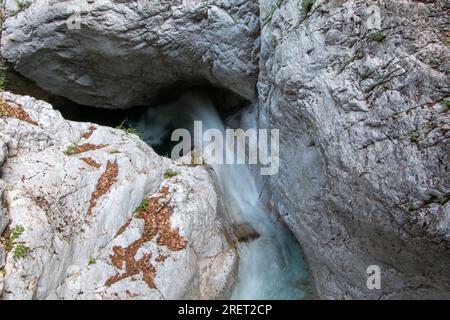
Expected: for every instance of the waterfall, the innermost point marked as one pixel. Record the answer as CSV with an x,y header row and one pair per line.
x,y
271,266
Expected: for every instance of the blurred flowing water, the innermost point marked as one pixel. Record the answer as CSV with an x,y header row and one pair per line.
x,y
271,266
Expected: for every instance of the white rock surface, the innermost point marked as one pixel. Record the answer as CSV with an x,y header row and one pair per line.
x,y
49,193
364,141
364,133
157,43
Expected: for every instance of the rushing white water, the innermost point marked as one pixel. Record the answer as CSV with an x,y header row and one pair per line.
x,y
271,266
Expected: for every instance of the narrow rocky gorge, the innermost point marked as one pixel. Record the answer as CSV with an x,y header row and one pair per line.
x,y
358,89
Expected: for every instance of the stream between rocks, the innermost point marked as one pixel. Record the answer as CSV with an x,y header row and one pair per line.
x,y
271,265
271,262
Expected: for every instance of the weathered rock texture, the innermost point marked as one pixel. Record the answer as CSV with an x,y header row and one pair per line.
x,y
3,223
365,141
364,129
73,189
126,51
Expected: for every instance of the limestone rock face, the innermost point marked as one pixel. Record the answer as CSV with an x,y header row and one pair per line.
x,y
117,54
364,140
72,191
357,89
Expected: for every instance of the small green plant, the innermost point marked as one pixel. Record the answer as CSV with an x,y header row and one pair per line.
x,y
307,5
132,131
446,103
129,130
414,137
441,199
7,240
2,80
16,232
20,251
21,5
376,36
121,230
143,206
387,86
271,11
169,173
273,39
433,62
113,151
92,261
10,235
71,149
430,125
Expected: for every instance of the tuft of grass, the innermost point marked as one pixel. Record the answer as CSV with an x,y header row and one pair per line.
x,y
7,240
143,206
433,62
70,150
10,235
430,125
21,6
447,41
414,137
121,230
377,36
20,251
273,39
271,11
2,80
307,5
129,130
113,151
446,103
169,173
413,207
16,232
441,199
92,261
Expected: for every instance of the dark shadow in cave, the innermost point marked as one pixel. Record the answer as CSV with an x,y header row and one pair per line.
x,y
227,102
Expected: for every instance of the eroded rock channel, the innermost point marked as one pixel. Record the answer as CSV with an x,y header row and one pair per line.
x,y
362,108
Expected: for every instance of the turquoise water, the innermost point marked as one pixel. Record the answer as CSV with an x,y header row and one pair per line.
x,y
271,266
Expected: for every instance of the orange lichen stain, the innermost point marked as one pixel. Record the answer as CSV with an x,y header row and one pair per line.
x,y
89,133
132,266
161,258
166,236
90,161
106,180
14,110
80,148
156,218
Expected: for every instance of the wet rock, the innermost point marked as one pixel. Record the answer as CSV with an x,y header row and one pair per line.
x,y
245,232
